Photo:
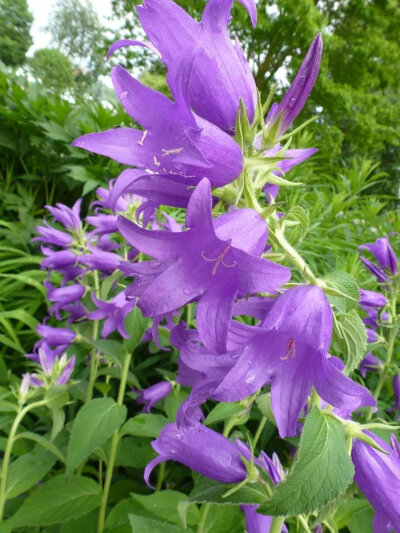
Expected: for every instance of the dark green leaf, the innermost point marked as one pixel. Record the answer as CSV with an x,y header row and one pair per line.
x,y
164,504
27,470
351,337
206,490
144,425
139,524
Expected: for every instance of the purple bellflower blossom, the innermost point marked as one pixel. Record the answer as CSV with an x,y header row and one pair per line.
x,y
289,350
153,394
114,313
295,98
396,391
67,216
378,476
174,140
50,235
220,76
201,449
385,256
372,299
370,363
200,264
56,336
63,297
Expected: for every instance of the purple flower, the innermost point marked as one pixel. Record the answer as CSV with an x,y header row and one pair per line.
x,y
289,350
103,223
66,372
174,140
62,261
200,264
201,449
220,76
53,236
56,336
258,523
396,392
378,476
69,218
114,313
63,296
369,363
153,394
384,254
106,262
294,100
372,299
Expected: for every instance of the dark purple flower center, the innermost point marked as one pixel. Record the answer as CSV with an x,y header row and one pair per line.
x,y
290,350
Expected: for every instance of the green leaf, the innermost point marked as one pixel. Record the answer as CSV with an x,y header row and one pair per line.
x,y
350,510
94,424
58,501
46,444
346,285
135,452
136,325
56,397
164,504
321,472
206,490
111,349
144,425
139,524
226,519
222,411
299,217
58,418
27,470
351,337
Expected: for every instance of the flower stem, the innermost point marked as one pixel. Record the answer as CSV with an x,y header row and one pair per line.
x,y
391,343
203,517
113,448
276,524
259,430
7,454
278,238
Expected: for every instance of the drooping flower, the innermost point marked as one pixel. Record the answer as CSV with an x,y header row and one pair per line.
x,y
298,93
63,296
201,449
378,476
56,336
203,265
370,363
384,254
174,140
67,216
372,299
289,350
153,394
220,76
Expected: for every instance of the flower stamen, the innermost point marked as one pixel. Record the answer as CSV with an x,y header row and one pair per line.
x,y
218,260
290,350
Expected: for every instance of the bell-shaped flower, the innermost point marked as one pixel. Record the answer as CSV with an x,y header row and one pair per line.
x,y
174,139
63,296
378,476
209,265
372,299
298,93
203,450
67,216
153,394
289,350
56,336
370,363
384,254
220,76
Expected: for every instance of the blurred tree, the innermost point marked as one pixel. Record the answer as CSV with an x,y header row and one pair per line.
x,y
15,25
76,29
53,69
357,95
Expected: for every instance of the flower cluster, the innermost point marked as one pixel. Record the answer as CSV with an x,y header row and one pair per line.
x,y
211,154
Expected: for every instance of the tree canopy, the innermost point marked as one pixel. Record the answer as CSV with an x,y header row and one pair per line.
x,y
15,38
53,68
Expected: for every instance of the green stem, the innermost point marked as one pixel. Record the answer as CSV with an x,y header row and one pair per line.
x,y
278,238
276,524
391,343
93,353
160,477
114,447
7,454
203,517
259,430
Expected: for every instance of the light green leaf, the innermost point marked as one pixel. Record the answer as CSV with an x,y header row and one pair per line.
x,y
299,217
164,504
346,285
351,337
94,424
321,472
136,325
206,490
111,349
222,412
27,470
144,425
46,444
139,524
56,397
58,501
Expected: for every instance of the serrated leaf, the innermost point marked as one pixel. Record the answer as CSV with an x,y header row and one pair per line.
x,y
144,425
321,472
205,490
58,501
27,470
302,219
350,509
94,424
139,524
351,337
346,285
